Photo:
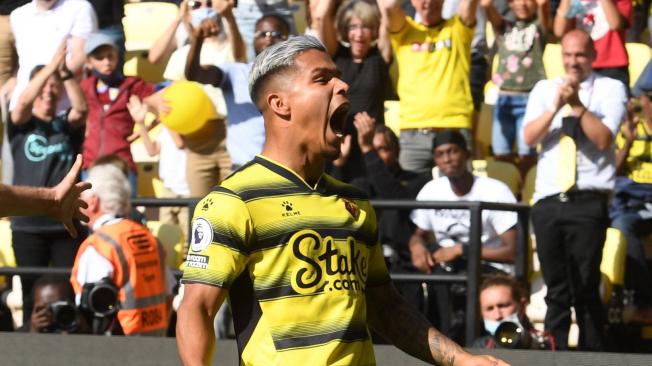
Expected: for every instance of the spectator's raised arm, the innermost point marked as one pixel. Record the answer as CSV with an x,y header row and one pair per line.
x,y
22,112
562,23
323,22
194,70
467,11
225,9
78,105
393,13
493,16
165,44
543,15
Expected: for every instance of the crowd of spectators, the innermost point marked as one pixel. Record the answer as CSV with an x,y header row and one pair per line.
x,y
586,134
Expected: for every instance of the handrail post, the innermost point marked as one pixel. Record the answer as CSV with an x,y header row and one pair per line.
x,y
522,250
473,273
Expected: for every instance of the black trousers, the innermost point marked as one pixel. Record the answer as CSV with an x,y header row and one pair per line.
x,y
570,237
42,250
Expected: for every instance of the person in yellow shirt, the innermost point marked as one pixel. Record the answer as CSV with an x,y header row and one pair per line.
x,y
631,208
433,56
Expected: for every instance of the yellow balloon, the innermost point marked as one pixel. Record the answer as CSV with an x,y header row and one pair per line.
x,y
190,107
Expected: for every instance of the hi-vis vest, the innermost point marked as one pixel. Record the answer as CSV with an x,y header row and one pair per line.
x,y
138,260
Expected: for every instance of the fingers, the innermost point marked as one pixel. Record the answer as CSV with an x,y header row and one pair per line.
x,y
83,186
72,175
70,227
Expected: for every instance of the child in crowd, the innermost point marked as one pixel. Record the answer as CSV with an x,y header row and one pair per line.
x,y
170,148
107,92
520,66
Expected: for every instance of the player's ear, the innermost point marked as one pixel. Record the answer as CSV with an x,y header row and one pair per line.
x,y
279,104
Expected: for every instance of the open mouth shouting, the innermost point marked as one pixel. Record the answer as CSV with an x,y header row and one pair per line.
x,y
338,119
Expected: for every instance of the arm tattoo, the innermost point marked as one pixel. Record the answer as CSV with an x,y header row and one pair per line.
x,y
395,319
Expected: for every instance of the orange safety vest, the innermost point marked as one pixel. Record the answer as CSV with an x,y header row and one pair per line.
x,y
139,263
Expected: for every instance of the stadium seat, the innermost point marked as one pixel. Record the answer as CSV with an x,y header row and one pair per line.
x,y
552,61
639,55
485,123
528,185
136,64
7,258
503,171
147,174
145,21
392,116
143,24
612,266
172,238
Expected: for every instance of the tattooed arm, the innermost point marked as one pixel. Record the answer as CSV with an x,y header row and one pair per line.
x,y
400,323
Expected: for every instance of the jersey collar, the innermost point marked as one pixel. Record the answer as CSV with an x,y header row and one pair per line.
x,y
288,173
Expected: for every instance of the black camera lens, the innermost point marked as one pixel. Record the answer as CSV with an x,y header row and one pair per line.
x,y
64,315
511,335
102,299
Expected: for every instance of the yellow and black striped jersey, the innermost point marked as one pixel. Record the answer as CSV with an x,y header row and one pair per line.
x,y
296,261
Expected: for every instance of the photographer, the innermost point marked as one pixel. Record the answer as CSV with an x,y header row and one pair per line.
x,y
126,253
54,309
502,304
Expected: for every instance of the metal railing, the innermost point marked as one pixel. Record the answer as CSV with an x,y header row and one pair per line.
x,y
472,277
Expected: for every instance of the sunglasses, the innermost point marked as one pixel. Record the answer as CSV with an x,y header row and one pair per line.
x,y
271,34
198,4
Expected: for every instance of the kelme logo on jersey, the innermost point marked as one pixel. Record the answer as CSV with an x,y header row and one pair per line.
x,y
202,235
326,264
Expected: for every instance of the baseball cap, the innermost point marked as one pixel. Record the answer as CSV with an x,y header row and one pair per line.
x,y
96,40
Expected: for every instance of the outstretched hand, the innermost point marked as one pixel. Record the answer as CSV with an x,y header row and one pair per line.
x,y
482,360
67,201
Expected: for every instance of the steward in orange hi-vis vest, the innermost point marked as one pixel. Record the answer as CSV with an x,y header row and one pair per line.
x,y
139,274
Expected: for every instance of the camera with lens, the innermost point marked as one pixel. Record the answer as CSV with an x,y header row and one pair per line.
x,y
65,317
99,303
514,336
100,299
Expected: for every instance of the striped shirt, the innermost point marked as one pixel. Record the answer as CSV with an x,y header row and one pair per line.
x,y
296,260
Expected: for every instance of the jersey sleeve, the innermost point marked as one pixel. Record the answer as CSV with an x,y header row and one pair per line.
x,y
220,243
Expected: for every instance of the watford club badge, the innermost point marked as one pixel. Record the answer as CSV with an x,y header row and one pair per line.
x,y
352,208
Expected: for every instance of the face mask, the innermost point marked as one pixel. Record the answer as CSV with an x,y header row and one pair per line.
x,y
492,325
200,14
113,80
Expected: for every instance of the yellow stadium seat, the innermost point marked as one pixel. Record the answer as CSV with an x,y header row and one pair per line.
x,y
145,21
147,174
503,171
485,123
552,61
612,266
136,64
392,116
639,55
172,239
7,258
528,185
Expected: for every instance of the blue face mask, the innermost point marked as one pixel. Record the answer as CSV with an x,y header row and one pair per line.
x,y
113,80
492,325
198,15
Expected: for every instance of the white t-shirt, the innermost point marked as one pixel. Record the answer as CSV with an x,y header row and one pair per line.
x,y
605,98
453,226
172,164
39,33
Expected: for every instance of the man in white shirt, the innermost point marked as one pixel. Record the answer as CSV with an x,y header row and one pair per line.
x,y
574,119
441,237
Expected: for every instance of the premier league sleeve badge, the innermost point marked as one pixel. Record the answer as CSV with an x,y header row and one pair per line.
x,y
202,234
